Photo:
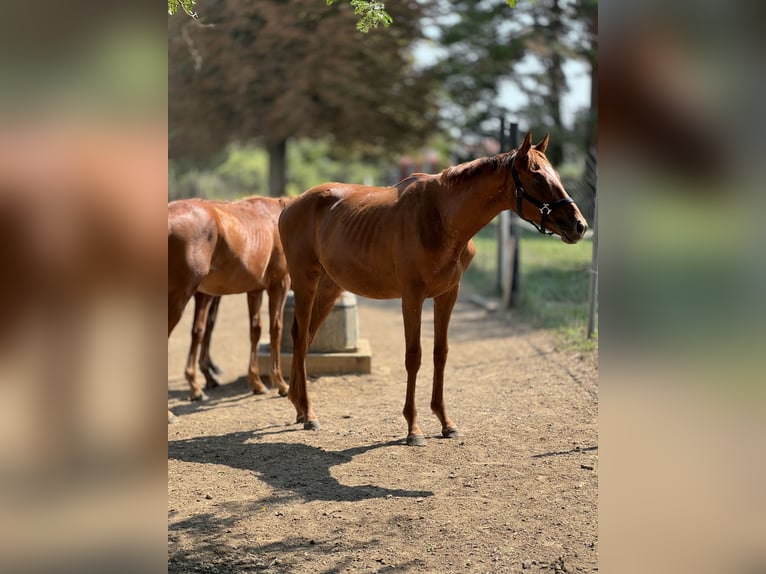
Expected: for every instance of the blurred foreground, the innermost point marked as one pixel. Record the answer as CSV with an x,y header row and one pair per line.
x,y
83,184
82,200
683,327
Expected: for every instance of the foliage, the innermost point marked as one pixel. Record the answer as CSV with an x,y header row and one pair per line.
x,y
238,172
311,162
242,170
554,280
371,14
185,5
244,78
480,47
485,47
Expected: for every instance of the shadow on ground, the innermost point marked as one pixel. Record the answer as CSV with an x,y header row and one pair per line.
x,y
294,470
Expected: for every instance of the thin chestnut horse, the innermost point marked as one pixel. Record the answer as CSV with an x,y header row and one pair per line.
x,y
412,241
223,248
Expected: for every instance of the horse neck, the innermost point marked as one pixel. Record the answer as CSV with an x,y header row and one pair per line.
x,y
473,203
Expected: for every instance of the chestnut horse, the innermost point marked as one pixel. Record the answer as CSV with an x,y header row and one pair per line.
x,y
412,241
222,248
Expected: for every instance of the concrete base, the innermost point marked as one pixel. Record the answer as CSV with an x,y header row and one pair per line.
x,y
337,363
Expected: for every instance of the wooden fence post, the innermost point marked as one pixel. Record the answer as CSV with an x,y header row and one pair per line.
x,y
593,287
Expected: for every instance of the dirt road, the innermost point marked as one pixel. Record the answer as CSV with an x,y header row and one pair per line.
x,y
250,491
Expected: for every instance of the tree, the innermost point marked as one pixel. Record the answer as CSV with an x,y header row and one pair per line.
x,y
371,13
486,45
480,49
272,70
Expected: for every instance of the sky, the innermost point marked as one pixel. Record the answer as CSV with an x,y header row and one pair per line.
x,y
577,98
511,98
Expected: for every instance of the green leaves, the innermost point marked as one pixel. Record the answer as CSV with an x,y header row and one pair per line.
x,y
185,5
371,14
512,3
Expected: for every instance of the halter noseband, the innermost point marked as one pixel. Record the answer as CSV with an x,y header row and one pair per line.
x,y
545,208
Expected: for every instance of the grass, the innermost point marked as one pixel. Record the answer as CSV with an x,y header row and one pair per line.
x,y
554,283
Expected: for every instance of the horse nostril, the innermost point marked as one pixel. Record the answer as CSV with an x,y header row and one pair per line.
x,y
581,227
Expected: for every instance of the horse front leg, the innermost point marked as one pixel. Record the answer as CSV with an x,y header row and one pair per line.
x,y
277,297
209,369
412,309
443,306
201,307
254,299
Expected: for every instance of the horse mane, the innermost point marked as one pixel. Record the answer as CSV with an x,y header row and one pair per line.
x,y
477,167
410,179
462,172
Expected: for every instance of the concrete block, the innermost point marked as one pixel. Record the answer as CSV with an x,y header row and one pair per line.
x,y
339,332
358,361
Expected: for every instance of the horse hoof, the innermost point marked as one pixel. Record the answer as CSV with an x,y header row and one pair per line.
x,y
416,440
312,425
299,419
283,391
260,391
198,398
451,432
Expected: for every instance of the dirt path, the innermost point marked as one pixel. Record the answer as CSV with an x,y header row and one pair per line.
x,y
249,491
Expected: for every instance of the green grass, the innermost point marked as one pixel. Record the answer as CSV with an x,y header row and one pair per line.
x,y
554,283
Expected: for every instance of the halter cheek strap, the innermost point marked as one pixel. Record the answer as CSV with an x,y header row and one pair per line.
x,y
545,208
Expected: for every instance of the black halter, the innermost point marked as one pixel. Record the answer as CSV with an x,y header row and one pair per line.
x,y
545,208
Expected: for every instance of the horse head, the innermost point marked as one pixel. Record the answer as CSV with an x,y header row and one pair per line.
x,y
540,196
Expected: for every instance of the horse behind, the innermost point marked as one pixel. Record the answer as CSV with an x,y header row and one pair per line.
x,y
222,248
413,242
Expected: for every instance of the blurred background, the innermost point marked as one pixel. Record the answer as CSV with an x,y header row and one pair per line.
x,y
272,98
108,110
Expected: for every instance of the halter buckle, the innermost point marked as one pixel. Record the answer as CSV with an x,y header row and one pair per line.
x,y
545,209
519,192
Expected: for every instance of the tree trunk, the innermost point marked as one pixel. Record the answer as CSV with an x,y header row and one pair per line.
x,y
592,135
277,168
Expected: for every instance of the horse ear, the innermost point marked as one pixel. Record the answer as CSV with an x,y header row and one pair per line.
x,y
543,145
526,144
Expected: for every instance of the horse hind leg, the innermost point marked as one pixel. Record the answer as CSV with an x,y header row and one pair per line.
x,y
277,297
201,307
209,370
211,320
254,299
177,300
